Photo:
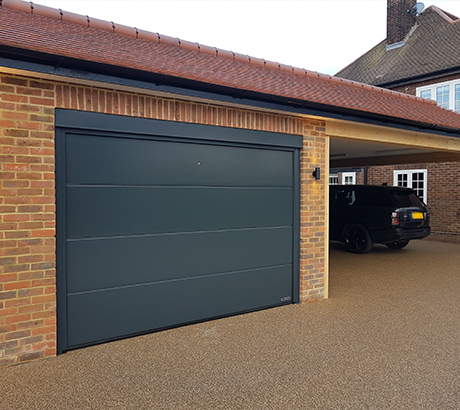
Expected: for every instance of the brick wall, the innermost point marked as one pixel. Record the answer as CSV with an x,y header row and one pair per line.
x,y
27,212
27,200
313,265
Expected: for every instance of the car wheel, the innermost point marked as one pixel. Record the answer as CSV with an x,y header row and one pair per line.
x,y
357,239
398,244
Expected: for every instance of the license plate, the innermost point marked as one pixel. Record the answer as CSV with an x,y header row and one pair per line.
x,y
417,215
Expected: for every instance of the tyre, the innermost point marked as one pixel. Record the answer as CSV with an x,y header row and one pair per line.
x,y
357,239
398,244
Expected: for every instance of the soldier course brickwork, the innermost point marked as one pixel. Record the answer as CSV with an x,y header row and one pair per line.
x,y
27,199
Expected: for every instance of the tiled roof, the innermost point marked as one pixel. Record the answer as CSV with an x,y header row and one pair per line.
x,y
432,47
54,32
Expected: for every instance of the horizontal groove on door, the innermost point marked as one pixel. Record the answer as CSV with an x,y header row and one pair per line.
x,y
97,238
104,315
115,211
101,264
180,279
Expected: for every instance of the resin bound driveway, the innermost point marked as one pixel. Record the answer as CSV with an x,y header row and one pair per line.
x,y
387,338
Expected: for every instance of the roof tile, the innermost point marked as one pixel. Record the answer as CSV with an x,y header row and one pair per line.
x,y
150,52
437,33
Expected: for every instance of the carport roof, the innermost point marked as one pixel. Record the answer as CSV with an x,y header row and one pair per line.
x,y
28,30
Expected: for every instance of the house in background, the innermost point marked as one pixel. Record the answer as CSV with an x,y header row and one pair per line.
x,y
420,56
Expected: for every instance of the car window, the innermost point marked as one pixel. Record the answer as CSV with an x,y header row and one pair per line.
x,y
344,197
374,197
351,197
405,198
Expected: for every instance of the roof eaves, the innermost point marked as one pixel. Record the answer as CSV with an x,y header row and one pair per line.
x,y
236,91
422,77
181,86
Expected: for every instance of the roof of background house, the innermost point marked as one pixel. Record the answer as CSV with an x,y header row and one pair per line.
x,y
432,47
26,27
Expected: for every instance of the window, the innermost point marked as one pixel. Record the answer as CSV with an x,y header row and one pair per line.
x,y
333,179
446,94
425,94
348,178
457,98
442,96
415,179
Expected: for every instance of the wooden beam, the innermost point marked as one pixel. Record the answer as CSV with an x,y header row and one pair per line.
x,y
426,157
375,133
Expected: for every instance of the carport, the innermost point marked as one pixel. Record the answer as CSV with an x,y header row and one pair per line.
x,y
362,145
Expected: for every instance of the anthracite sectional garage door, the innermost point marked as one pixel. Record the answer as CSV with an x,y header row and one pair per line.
x,y
158,228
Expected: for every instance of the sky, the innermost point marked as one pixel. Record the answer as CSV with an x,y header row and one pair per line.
x,y
317,35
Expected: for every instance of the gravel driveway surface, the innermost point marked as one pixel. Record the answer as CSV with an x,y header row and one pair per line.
x,y
387,338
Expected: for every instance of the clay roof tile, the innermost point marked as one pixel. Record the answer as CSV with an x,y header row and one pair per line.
x,y
74,36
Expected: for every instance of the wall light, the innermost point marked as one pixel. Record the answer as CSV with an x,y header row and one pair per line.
x,y
317,173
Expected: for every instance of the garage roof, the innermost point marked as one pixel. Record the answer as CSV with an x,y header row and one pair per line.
x,y
26,27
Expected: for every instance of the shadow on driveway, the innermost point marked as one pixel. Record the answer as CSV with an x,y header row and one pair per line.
x,y
387,338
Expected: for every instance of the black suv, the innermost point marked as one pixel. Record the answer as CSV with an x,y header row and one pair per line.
x,y
361,215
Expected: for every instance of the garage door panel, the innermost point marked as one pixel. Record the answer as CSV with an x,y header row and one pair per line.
x,y
108,263
146,162
102,315
112,211
162,230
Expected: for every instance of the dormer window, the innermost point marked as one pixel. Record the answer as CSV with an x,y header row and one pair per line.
x,y
425,94
442,96
457,98
446,94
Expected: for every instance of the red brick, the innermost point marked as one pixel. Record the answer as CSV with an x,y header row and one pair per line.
x,y
7,209
8,277
17,318
14,98
43,282
41,85
31,308
8,311
17,335
7,261
43,233
14,81
25,357
30,324
16,217
31,340
43,299
30,275
42,184
6,329
17,285
41,101
43,266
43,330
17,302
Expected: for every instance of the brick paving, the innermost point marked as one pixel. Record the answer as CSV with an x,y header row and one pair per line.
x,y
387,338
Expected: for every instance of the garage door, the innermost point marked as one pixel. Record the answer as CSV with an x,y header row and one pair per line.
x,y
160,231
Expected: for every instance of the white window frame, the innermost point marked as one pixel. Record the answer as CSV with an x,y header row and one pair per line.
x,y
409,173
334,179
432,88
351,175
